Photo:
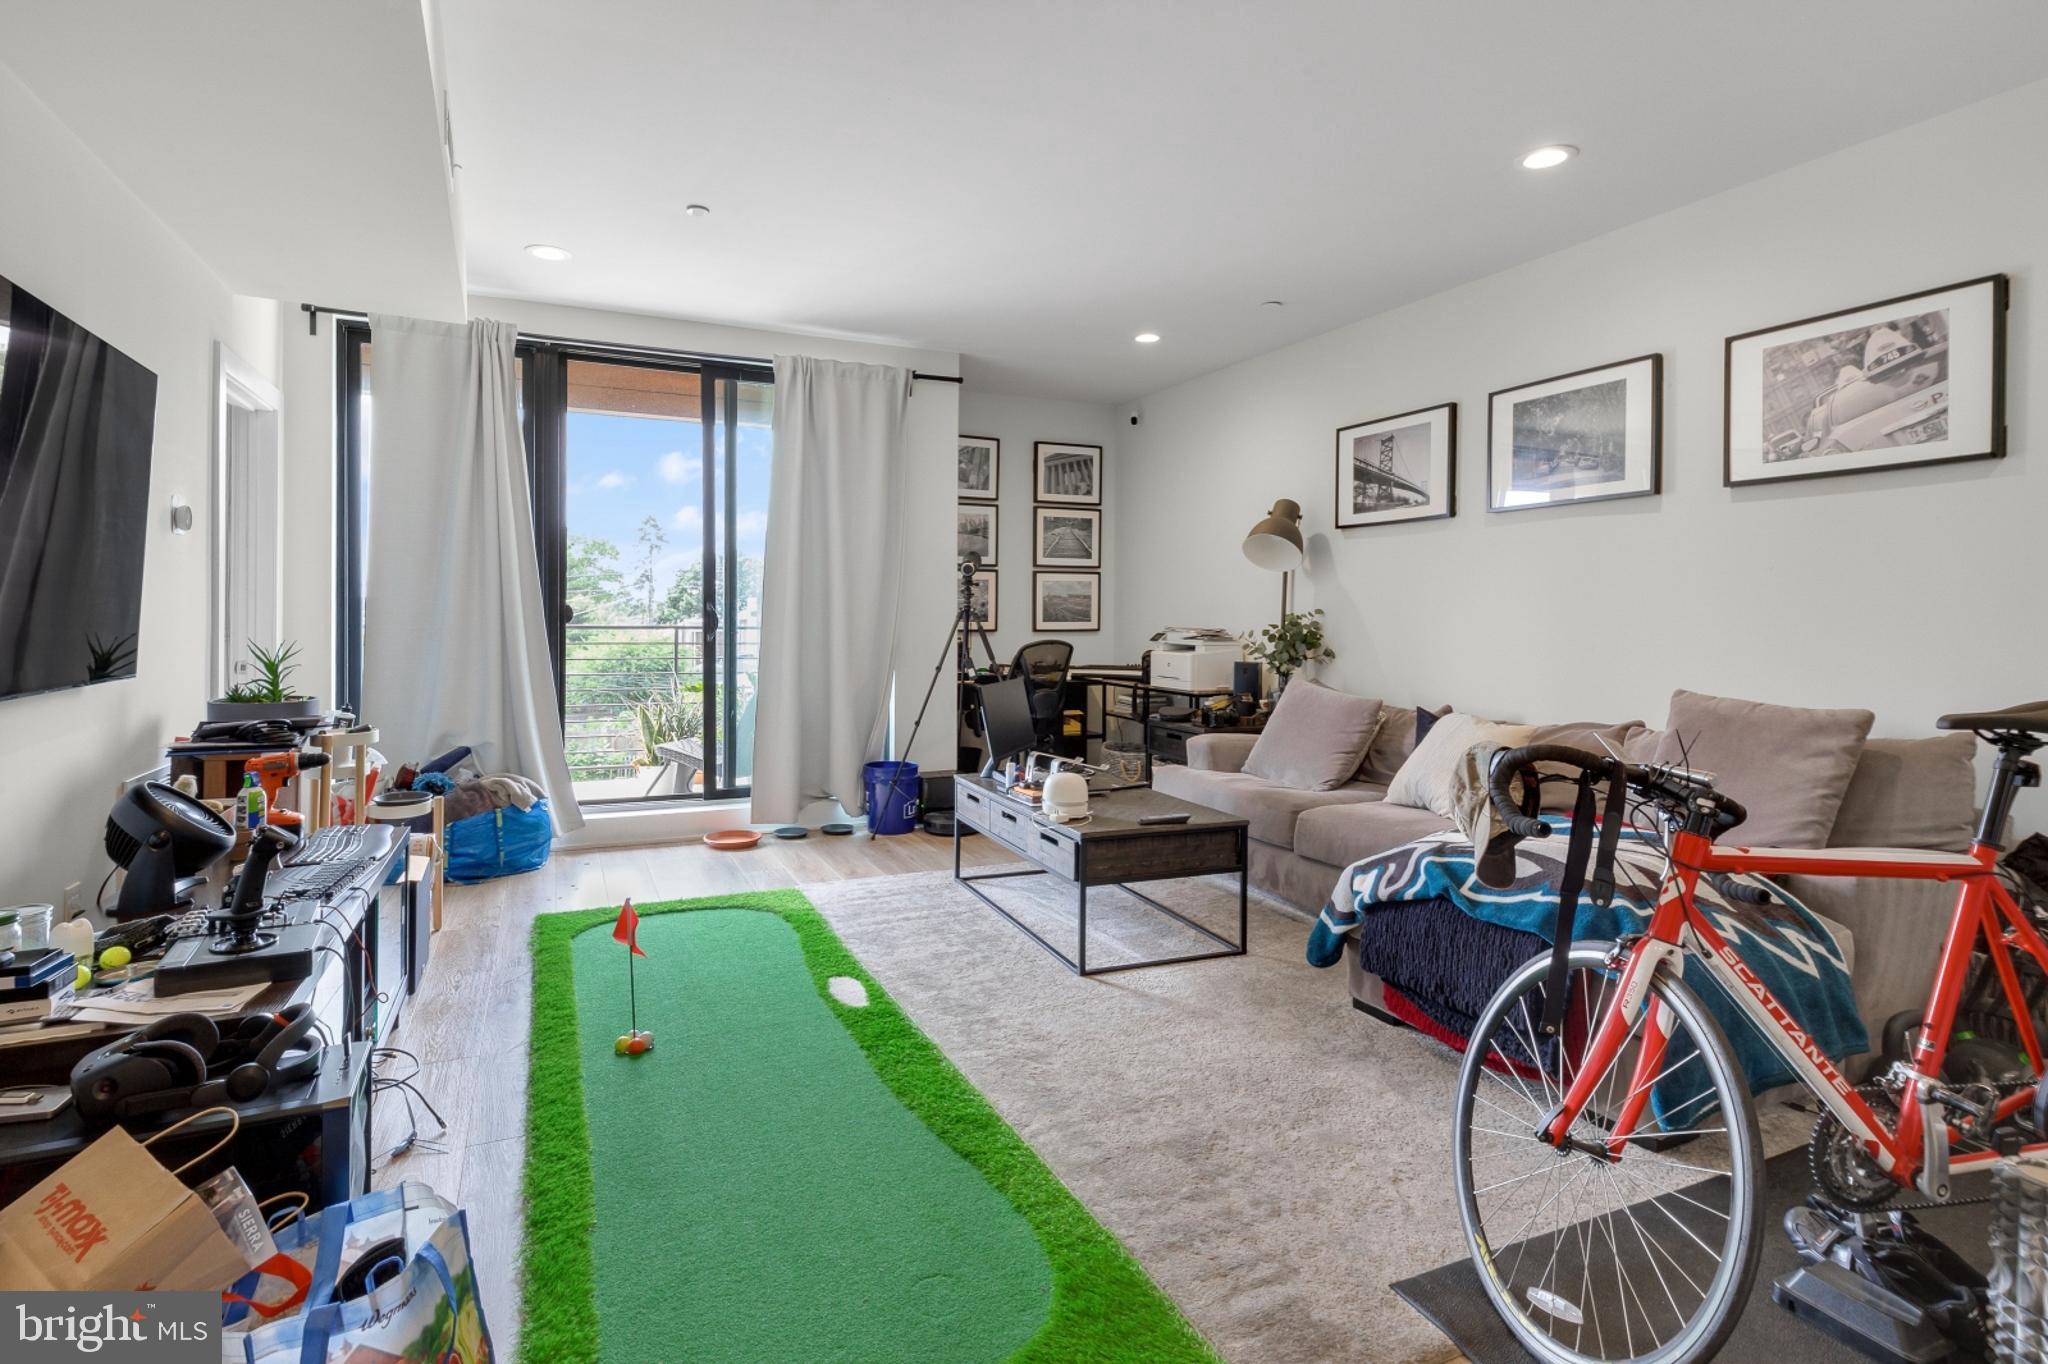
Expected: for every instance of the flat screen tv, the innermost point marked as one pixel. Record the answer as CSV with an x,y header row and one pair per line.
x,y
77,419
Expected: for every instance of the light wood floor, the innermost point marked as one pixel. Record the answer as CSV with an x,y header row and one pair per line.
x,y
468,1024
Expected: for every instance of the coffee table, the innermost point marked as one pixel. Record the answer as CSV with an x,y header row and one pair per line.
x,y
1111,849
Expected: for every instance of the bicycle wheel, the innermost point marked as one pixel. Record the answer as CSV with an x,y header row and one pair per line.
x,y
1648,1256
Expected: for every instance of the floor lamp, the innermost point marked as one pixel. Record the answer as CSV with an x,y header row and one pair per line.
x,y
1275,545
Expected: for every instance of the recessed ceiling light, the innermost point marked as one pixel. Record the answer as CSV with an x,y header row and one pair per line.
x,y
696,211
542,251
1146,338
1543,158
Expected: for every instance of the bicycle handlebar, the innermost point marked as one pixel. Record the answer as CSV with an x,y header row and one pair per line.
x,y
1512,763
1657,779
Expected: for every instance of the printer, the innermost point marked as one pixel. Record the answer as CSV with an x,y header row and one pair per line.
x,y
1194,658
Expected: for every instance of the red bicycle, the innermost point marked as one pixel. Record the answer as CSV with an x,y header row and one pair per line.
x,y
1608,1163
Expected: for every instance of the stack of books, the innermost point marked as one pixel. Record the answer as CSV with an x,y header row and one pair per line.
x,y
38,986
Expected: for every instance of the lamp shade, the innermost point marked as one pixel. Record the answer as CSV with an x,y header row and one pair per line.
x,y
1275,543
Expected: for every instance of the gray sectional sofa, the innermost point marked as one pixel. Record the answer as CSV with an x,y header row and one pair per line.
x,y
1915,793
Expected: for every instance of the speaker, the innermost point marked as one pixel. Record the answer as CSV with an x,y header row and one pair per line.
x,y
1248,679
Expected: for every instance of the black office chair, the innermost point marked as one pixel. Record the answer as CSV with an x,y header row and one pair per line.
x,y
1043,664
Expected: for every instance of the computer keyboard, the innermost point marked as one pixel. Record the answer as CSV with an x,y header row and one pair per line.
x,y
335,843
297,900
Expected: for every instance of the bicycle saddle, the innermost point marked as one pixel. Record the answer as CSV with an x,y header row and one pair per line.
x,y
2029,718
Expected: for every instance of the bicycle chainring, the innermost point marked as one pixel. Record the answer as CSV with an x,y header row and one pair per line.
x,y
1843,1172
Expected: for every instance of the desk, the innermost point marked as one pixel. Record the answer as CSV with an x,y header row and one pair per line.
x,y
333,1105
1143,691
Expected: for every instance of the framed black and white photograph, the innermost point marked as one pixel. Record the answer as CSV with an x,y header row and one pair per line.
x,y
981,467
1066,603
1069,474
1588,436
1918,379
982,596
1400,468
977,525
1066,537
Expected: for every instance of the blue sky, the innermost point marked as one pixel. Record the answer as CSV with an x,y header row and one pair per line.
x,y
624,469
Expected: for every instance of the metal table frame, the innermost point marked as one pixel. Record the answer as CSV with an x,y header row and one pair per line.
x,y
1078,963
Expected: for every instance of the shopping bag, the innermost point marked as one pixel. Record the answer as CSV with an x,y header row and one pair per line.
x,y
113,1219
387,1275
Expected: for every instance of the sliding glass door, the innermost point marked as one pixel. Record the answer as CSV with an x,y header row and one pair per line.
x,y
650,481
659,470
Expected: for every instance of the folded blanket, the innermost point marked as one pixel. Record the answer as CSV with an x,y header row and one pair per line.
x,y
1791,951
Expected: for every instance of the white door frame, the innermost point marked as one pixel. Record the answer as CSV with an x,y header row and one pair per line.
x,y
246,407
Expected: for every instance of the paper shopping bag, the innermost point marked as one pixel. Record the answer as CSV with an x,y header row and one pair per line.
x,y
113,1219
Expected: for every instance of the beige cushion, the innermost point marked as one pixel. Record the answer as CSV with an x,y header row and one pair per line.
x,y
1789,766
1911,793
1316,737
1425,781
1394,742
1585,734
1269,809
1341,834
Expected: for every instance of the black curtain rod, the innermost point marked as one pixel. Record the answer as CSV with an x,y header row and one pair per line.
x,y
313,311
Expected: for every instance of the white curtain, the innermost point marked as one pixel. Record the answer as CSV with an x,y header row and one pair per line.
x,y
829,581
454,643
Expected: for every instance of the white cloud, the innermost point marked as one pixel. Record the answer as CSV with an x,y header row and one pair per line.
x,y
751,529
614,479
677,467
689,518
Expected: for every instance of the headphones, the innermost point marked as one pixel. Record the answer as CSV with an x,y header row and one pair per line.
x,y
187,1060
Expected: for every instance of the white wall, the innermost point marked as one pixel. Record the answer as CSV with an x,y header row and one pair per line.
x,y
71,234
933,422
1019,423
1910,593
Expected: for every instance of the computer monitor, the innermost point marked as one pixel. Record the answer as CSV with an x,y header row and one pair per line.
x,y
1006,719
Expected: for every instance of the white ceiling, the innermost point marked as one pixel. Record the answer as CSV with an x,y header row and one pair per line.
x,y
1032,183
1028,182
294,146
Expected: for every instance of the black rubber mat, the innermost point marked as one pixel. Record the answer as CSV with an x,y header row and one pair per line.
x,y
1452,1299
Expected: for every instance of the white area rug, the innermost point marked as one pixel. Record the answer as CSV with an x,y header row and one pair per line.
x,y
1272,1156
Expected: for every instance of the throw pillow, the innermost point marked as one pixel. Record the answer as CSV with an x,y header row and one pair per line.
x,y
1400,731
1586,734
1789,766
1315,738
1911,793
1426,780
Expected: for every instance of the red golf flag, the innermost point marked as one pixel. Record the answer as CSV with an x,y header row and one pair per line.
x,y
627,929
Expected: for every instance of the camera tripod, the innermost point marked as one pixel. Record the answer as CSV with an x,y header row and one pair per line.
x,y
960,637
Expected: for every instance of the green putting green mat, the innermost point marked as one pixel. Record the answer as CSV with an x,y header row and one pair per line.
x,y
788,1175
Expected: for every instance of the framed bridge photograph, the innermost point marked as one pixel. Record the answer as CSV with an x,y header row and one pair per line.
x,y
1400,468
1913,380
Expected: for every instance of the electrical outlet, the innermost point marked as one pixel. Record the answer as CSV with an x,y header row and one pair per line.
x,y
74,900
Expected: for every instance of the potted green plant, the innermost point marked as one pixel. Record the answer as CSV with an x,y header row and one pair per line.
x,y
669,718
1288,645
268,695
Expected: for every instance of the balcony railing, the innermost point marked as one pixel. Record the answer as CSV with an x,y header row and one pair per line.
x,y
611,671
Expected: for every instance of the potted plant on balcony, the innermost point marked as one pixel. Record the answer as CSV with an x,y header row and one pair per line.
x,y
1289,645
675,720
268,695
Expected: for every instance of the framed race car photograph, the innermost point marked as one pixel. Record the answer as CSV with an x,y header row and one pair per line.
x,y
1913,380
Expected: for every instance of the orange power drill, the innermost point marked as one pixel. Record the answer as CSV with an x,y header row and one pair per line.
x,y
273,770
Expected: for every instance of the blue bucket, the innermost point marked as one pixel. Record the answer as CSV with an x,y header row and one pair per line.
x,y
893,797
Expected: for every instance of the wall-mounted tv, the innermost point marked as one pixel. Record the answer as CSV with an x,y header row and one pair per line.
x,y
77,419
